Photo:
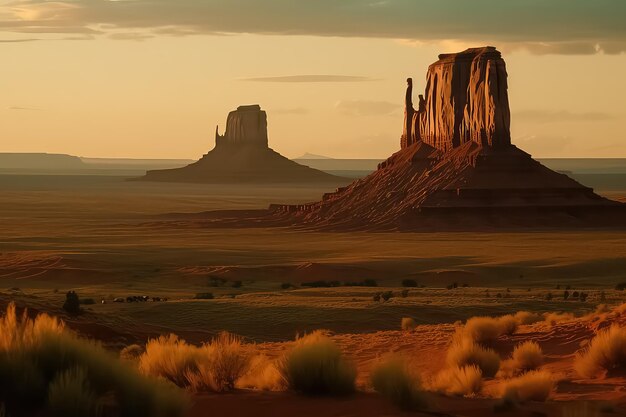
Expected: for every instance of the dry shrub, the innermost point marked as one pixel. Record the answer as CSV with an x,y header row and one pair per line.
x,y
532,386
393,379
263,374
316,366
486,330
465,352
46,362
408,324
526,317
70,395
527,356
171,358
230,360
132,353
215,366
466,380
555,318
605,353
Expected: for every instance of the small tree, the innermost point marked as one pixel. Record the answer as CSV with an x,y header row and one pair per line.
x,y
72,303
566,295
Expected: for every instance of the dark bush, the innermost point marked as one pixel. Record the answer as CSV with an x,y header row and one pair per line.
x,y
286,286
621,286
237,284
566,295
376,297
411,283
386,296
404,293
364,283
72,303
549,296
204,296
321,284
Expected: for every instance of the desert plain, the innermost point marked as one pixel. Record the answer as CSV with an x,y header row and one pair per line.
x,y
108,238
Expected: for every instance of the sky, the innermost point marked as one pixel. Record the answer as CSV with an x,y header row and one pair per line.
x,y
152,78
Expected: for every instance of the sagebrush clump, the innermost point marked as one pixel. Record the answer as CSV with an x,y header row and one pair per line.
x,y
48,365
316,366
393,379
605,353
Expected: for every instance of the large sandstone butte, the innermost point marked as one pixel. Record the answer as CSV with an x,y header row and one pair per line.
x,y
457,168
242,155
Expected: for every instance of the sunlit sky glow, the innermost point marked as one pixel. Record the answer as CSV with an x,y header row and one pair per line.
x,y
151,79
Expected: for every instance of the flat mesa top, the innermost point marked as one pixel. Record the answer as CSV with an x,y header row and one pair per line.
x,y
468,54
251,107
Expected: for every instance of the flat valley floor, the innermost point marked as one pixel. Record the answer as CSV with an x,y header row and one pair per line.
x,y
108,238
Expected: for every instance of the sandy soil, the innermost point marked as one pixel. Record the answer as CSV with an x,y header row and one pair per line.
x,y
103,238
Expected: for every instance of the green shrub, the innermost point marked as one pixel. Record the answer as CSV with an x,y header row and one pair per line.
x,y
40,354
393,380
316,366
69,395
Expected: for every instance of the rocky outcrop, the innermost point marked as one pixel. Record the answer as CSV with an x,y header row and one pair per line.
x,y
457,168
242,155
466,100
246,126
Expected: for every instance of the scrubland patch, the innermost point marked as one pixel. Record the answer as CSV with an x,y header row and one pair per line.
x,y
316,366
527,356
393,379
216,366
606,353
466,380
532,386
464,352
52,369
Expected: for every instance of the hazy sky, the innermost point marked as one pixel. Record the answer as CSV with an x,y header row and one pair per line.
x,y
152,78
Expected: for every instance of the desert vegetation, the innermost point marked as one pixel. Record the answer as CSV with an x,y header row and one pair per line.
x,y
464,353
213,367
51,368
527,356
605,354
466,380
316,366
532,386
393,379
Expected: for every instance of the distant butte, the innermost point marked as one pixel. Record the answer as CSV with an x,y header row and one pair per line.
x,y
243,155
457,168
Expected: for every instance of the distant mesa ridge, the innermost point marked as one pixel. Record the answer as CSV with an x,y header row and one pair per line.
x,y
242,154
457,167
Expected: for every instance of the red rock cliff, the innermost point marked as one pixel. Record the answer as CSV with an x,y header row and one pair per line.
x,y
466,100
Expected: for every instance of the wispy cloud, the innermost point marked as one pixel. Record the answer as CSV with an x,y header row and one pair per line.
x,y
23,108
366,107
540,26
310,79
18,40
560,116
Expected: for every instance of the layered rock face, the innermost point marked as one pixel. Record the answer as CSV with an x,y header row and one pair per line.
x,y
242,155
466,100
246,126
457,168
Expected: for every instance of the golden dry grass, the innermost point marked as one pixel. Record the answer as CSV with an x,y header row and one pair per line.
x,y
51,368
317,366
393,379
464,352
527,356
532,386
605,353
465,381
